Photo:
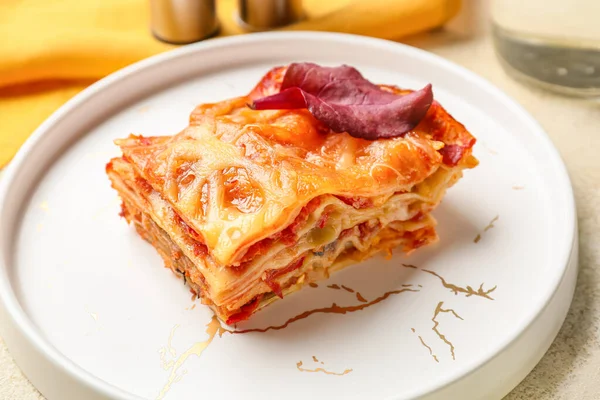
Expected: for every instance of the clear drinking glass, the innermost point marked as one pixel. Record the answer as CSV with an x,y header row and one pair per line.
x,y
551,43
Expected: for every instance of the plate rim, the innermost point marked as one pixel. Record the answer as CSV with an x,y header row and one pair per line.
x,y
24,326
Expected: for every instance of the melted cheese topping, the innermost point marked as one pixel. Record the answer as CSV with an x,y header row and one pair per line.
x,y
237,175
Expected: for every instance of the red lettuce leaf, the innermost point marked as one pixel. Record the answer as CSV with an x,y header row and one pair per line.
x,y
344,100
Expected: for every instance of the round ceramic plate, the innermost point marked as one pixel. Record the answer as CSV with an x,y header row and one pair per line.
x,y
88,311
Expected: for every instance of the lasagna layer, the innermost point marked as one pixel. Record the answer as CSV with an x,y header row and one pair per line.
x,y
333,235
352,246
250,205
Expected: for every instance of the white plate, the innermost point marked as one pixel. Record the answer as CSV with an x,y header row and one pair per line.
x,y
87,306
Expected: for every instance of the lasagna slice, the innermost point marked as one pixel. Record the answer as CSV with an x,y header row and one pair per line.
x,y
250,205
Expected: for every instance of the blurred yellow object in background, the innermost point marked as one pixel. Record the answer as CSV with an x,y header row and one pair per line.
x,y
51,50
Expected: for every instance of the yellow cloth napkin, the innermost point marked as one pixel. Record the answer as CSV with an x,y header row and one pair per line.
x,y
51,50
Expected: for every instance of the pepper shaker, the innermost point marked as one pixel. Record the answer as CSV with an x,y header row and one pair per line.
x,y
258,15
183,21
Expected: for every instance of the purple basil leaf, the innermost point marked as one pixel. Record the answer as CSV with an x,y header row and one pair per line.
x,y
345,101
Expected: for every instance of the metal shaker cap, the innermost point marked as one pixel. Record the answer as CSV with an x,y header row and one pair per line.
x,y
267,14
183,21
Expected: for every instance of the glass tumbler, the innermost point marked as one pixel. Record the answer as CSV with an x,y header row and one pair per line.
x,y
551,43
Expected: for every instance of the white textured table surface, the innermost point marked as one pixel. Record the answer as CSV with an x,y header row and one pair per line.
x,y
571,368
